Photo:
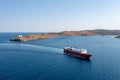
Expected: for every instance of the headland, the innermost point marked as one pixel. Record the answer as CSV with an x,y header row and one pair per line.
x,y
67,33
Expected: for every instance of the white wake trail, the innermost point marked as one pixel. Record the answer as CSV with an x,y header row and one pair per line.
x,y
29,47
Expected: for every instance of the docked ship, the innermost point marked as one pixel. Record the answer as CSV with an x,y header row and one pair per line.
x,y
81,53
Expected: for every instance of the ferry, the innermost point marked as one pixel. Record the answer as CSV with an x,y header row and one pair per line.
x,y
81,53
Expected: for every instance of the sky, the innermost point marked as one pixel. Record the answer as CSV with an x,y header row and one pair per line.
x,y
58,15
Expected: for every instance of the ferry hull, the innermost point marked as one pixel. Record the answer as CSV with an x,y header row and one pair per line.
x,y
87,56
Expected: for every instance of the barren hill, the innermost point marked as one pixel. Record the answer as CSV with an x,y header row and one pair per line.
x,y
67,33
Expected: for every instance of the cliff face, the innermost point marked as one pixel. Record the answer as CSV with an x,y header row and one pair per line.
x,y
68,33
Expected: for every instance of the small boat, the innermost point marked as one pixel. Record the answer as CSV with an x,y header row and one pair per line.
x,y
81,53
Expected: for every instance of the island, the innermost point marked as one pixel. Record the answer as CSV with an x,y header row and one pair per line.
x,y
67,33
32,37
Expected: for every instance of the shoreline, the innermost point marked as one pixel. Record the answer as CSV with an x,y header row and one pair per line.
x,y
38,36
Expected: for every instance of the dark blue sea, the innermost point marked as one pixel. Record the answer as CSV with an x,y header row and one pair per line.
x,y
45,60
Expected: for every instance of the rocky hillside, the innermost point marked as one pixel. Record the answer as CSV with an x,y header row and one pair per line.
x,y
105,32
32,37
75,33
67,33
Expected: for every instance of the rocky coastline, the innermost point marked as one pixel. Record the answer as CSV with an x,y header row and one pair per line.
x,y
32,37
67,33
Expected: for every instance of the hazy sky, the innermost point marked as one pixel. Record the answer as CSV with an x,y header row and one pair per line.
x,y
58,15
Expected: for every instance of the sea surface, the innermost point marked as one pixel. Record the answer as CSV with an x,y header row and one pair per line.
x,y
44,59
